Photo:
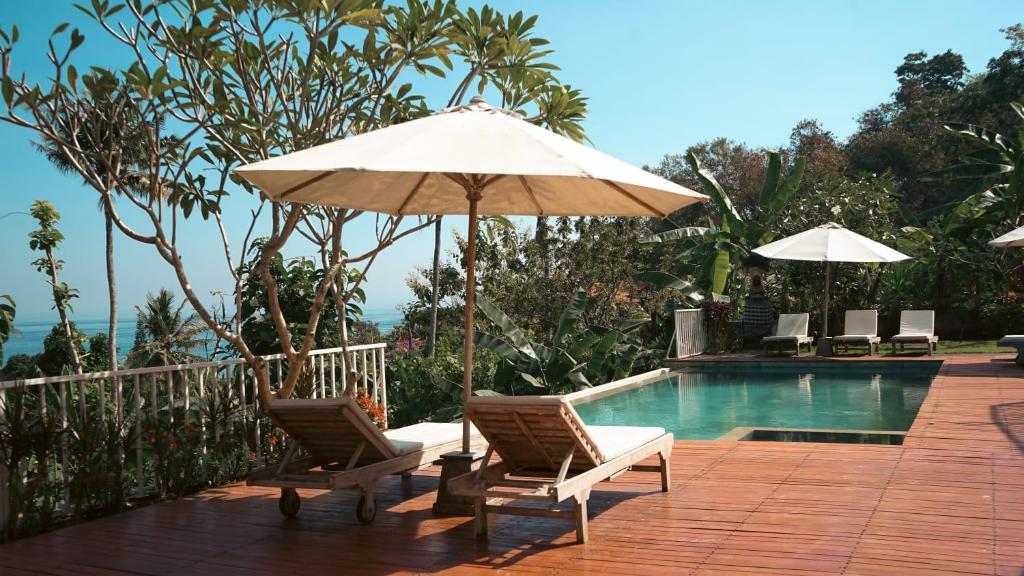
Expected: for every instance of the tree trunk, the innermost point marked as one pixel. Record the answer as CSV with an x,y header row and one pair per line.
x,y
112,293
76,362
434,281
540,236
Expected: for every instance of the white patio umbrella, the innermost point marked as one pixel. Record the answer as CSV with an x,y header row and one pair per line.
x,y
1012,239
829,243
475,160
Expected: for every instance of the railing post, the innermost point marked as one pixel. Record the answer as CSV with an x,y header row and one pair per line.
x,y
384,387
4,495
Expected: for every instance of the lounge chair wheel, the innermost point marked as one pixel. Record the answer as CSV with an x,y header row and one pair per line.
x,y
289,502
366,509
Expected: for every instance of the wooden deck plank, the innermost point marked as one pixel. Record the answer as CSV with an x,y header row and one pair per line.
x,y
950,500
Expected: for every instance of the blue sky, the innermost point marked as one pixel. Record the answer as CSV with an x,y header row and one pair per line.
x,y
660,76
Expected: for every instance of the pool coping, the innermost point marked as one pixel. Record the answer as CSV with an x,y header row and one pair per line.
x,y
741,433
603,390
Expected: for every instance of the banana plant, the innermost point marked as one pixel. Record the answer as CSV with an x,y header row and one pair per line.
x,y
712,253
575,359
997,194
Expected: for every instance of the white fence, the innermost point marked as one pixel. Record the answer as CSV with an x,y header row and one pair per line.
x,y
691,332
198,396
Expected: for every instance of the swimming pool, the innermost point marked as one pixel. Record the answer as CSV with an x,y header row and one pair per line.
x,y
709,400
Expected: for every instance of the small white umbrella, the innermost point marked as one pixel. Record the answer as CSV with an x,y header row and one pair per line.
x,y
829,243
1012,239
473,159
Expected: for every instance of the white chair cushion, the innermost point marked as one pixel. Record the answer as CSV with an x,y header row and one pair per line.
x,y
917,323
425,435
915,338
614,441
786,339
857,338
792,325
861,323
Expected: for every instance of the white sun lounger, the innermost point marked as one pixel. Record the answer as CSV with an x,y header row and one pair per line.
x,y
916,327
791,330
1014,341
548,454
859,329
344,450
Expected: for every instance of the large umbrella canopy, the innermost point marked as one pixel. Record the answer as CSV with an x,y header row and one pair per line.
x,y
829,243
418,167
1013,238
474,160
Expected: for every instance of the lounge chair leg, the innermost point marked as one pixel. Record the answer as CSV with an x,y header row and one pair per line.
x,y
582,530
666,474
480,516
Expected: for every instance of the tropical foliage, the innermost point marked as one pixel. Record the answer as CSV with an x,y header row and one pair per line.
x,y
166,334
576,357
712,254
8,310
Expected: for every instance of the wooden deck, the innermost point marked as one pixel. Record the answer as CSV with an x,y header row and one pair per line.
x,y
949,501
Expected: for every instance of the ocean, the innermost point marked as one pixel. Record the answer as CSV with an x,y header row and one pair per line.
x,y
29,335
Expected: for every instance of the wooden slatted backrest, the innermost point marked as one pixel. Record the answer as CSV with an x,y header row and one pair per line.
x,y
534,432
331,430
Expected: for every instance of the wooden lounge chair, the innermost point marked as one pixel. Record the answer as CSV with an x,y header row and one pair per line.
x,y
548,454
791,329
859,329
343,450
916,327
1014,341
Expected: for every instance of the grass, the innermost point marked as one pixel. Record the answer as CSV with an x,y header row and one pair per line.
x,y
970,347
945,347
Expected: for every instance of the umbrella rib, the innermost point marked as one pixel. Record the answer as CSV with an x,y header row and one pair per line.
x,y
301,185
415,189
632,197
529,191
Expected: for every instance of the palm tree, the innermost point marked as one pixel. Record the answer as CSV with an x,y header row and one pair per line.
x,y
168,335
107,126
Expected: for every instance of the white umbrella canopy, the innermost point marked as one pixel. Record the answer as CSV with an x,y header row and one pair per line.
x,y
474,160
412,168
829,243
1012,239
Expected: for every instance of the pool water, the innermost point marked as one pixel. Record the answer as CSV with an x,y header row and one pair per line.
x,y
710,400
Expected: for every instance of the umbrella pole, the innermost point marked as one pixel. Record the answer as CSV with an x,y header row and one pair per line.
x,y
824,306
455,464
467,360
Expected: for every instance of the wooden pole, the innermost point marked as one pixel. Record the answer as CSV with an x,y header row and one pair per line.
x,y
824,305
473,195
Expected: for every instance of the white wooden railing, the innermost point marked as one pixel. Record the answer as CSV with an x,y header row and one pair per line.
x,y
691,332
169,392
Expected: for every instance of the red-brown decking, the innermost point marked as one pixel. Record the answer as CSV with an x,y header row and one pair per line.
x,y
949,501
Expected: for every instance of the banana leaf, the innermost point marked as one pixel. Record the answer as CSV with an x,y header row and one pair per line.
x,y
720,271
771,179
509,330
502,349
662,280
677,234
570,316
731,220
981,135
600,357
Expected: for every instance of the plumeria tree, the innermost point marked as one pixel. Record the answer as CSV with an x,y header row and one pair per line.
x,y
46,240
214,85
